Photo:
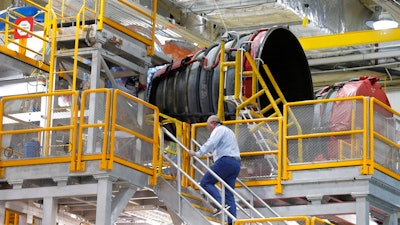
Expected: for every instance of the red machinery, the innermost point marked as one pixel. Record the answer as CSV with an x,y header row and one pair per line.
x,y
338,115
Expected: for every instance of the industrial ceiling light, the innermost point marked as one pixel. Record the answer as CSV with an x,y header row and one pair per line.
x,y
384,24
381,20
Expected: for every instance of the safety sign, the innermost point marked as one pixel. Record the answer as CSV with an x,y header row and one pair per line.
x,y
25,23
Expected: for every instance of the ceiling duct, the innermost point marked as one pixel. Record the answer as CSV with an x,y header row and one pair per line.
x,y
332,16
199,24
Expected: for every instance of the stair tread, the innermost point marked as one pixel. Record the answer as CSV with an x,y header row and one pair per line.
x,y
203,208
192,196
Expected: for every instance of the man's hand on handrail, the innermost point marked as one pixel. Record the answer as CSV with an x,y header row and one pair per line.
x,y
191,152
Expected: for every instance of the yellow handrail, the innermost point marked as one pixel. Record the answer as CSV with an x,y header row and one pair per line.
x,y
22,43
45,129
152,16
154,140
306,220
371,107
75,154
351,131
105,125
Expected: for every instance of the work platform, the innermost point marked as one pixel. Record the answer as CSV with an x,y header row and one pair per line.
x,y
102,153
110,177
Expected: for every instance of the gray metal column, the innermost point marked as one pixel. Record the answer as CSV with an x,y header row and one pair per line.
x,y
96,67
49,210
120,201
2,210
23,219
93,145
104,198
362,208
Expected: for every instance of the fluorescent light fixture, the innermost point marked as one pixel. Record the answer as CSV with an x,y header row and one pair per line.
x,y
384,24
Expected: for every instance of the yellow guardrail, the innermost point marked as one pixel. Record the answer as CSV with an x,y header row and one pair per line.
x,y
259,166
58,12
66,11
174,150
126,130
355,138
103,126
152,15
349,130
46,31
359,131
385,138
303,219
146,132
23,48
97,129
169,147
28,124
11,217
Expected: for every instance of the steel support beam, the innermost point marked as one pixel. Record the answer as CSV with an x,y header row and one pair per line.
x,y
39,193
226,5
349,39
120,201
391,6
50,206
104,198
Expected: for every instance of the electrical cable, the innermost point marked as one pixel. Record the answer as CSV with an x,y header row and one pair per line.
x,y
220,16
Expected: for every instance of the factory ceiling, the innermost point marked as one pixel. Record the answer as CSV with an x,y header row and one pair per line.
x,y
204,22
211,18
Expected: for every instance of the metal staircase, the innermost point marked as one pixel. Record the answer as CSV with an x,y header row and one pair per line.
x,y
193,204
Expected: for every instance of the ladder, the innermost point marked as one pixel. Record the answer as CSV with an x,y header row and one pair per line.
x,y
248,108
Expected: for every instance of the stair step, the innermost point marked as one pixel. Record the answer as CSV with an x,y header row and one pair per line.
x,y
231,98
203,208
70,52
192,196
64,53
63,72
213,219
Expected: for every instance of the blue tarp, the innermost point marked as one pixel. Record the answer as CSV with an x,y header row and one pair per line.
x,y
27,11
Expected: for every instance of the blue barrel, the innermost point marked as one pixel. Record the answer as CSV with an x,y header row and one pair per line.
x,y
31,149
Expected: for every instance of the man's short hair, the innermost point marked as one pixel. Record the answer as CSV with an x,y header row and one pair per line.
x,y
213,118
